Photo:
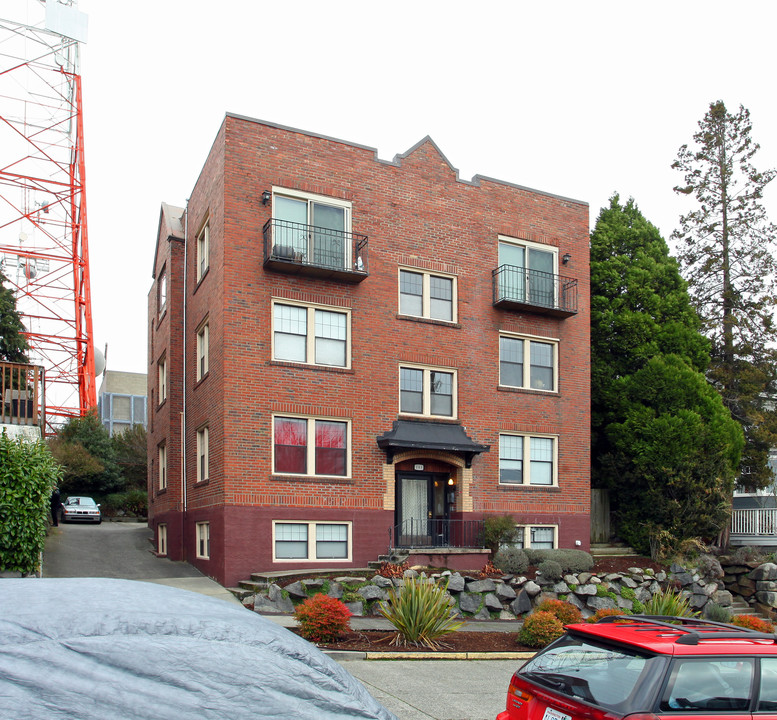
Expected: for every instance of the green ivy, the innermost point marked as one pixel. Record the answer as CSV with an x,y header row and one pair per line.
x,y
28,473
628,594
602,591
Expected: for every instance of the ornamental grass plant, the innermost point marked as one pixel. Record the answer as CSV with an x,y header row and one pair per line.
x,y
669,602
421,613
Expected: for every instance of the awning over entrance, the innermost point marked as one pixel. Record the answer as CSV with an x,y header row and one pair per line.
x,y
424,435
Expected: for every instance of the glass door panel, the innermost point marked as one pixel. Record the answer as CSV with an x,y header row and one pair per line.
x,y
328,236
291,231
541,277
512,265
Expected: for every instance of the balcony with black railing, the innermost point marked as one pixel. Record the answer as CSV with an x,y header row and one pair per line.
x,y
22,394
437,533
534,291
299,249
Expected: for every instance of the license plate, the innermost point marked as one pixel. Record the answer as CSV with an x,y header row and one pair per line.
x,y
551,714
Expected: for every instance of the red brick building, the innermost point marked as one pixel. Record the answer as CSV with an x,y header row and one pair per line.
x,y
358,355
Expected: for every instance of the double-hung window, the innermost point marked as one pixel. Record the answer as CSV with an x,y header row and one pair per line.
x,y
163,467
203,442
312,229
527,272
311,540
423,294
311,446
162,377
161,533
310,334
527,460
427,391
161,293
527,363
203,540
203,251
202,351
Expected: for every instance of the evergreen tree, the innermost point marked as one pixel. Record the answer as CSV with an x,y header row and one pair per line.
x,y
662,440
726,248
13,344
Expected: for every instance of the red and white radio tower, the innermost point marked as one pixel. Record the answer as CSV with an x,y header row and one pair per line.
x,y
44,253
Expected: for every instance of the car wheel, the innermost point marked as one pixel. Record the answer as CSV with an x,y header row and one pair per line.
x,y
99,521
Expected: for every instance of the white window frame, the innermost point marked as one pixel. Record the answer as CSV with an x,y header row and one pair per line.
x,y
203,454
202,530
526,460
426,293
161,536
311,446
163,379
526,533
311,526
527,341
163,466
203,350
310,336
161,296
203,250
427,390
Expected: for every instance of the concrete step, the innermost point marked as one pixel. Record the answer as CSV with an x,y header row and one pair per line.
x,y
241,593
254,586
612,550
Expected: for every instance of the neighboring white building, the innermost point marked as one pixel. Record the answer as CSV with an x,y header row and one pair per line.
x,y
121,402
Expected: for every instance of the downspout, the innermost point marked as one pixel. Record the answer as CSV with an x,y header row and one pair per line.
x,y
183,383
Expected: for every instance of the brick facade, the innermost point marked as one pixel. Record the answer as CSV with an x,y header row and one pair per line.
x,y
418,216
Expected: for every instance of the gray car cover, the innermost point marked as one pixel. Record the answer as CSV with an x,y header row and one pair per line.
x,y
101,648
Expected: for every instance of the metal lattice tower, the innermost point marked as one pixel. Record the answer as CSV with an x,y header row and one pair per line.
x,y
44,252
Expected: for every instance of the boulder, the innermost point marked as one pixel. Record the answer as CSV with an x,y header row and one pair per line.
x,y
767,571
456,583
492,602
532,588
600,603
481,586
560,588
506,615
335,590
504,592
469,602
521,604
767,598
482,614
382,582
589,589
263,604
356,608
297,590
372,592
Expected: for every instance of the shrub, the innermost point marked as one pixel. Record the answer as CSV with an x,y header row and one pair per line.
x,y
752,623
570,560
420,612
566,612
132,502
489,569
717,613
603,592
604,612
511,560
322,618
550,569
746,553
540,629
669,602
628,594
393,570
498,530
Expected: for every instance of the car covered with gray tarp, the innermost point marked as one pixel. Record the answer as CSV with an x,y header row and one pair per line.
x,y
101,648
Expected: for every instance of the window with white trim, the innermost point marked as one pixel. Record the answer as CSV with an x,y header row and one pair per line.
x,y
527,460
161,539
527,271
203,250
427,391
311,446
311,334
539,537
161,293
313,229
527,362
163,467
162,378
202,351
312,541
203,540
202,454
427,295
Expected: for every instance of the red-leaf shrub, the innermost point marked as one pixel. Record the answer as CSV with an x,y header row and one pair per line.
x,y
322,618
566,612
540,629
604,612
752,623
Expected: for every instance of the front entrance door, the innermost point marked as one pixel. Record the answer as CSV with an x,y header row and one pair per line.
x,y
423,509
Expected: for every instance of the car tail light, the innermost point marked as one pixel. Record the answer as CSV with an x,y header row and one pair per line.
x,y
517,696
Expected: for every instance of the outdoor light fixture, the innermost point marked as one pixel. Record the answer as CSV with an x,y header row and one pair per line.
x,y
450,481
266,197
566,258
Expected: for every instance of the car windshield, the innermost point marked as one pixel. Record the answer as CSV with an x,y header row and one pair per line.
x,y
606,676
81,501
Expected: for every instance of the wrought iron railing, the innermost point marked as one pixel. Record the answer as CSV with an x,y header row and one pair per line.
x,y
545,290
310,245
22,395
420,533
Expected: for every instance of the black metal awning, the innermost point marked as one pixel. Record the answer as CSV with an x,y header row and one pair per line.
x,y
425,435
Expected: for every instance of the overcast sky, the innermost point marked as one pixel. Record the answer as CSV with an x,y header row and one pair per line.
x,y
580,99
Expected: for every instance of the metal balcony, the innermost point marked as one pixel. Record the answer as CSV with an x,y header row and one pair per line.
x,y
298,249
534,291
437,533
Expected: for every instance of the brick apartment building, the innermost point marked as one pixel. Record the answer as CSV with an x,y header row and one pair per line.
x,y
348,354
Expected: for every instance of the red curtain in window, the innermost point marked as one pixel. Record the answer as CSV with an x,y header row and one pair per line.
x,y
291,439
331,448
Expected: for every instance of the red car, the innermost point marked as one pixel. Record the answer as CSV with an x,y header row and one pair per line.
x,y
646,668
